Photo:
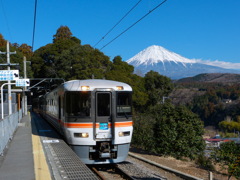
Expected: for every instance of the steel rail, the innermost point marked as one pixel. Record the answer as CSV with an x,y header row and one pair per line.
x,y
178,173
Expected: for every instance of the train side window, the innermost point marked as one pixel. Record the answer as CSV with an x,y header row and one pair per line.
x,y
124,104
78,104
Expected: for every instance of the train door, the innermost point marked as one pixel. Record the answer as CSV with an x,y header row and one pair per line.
x,y
103,116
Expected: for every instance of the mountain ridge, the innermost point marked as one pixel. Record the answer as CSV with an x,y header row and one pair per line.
x,y
155,54
171,64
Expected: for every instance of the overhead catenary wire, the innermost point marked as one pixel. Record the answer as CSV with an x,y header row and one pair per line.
x,y
118,23
134,24
34,23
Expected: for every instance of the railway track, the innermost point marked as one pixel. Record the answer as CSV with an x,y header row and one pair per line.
x,y
106,172
136,167
165,168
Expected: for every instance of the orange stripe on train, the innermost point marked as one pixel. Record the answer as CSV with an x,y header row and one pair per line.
x,y
90,125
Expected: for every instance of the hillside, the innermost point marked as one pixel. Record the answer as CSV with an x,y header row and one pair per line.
x,y
182,96
214,97
225,78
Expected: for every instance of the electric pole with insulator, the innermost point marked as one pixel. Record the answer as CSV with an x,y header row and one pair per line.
x,y
9,86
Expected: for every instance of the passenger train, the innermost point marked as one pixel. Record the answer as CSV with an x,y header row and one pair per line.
x,y
94,116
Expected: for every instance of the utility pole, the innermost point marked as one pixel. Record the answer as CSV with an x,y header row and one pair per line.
x,y
9,86
25,87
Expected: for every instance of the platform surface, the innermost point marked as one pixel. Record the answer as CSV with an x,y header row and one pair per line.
x,y
37,152
17,161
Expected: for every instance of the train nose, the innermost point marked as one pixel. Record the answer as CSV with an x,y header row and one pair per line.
x,y
104,150
104,147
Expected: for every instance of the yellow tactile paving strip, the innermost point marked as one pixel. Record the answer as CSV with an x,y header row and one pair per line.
x,y
41,169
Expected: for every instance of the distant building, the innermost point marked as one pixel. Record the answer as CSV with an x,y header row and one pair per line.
x,y
213,143
216,141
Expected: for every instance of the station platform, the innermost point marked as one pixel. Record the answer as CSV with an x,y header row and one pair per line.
x,y
37,152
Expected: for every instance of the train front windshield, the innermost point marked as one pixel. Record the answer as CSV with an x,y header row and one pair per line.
x,y
124,104
78,104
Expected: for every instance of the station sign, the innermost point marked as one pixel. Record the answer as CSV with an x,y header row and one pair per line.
x,y
9,75
22,82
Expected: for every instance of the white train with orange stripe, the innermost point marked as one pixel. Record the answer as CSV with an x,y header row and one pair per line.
x,y
94,116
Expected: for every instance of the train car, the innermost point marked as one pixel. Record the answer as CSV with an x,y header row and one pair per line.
x,y
94,116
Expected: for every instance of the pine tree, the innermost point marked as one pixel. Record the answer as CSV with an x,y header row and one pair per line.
x,y
63,33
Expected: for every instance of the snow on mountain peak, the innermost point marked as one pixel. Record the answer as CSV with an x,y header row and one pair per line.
x,y
155,54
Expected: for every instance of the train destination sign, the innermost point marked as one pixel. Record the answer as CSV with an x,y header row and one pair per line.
x,y
9,75
23,82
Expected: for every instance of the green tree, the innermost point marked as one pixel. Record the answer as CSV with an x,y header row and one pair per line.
x,y
3,42
122,71
229,156
169,130
15,58
140,96
26,50
89,62
69,60
63,33
229,126
143,131
46,61
157,86
124,67
177,131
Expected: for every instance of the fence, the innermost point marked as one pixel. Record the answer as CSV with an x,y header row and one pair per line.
x,y
8,125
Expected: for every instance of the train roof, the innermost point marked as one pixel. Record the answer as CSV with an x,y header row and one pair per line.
x,y
76,85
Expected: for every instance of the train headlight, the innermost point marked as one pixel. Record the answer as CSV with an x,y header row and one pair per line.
x,y
81,135
126,133
119,87
85,88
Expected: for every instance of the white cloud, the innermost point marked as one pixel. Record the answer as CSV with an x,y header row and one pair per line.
x,y
222,64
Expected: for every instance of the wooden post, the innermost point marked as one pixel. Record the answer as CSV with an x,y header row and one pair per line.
x,y
19,101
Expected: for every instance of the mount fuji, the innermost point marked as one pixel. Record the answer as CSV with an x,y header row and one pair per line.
x,y
170,64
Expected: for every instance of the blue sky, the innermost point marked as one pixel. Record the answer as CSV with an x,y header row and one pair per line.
x,y
199,29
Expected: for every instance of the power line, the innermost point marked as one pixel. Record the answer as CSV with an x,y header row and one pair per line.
x,y
117,23
134,24
34,23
